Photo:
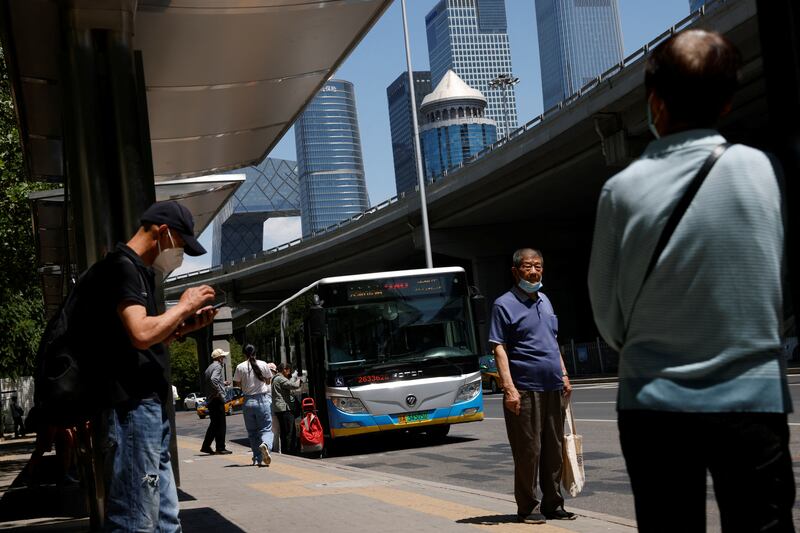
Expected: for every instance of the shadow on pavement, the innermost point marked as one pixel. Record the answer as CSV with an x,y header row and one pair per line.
x,y
41,494
185,497
206,519
489,520
367,444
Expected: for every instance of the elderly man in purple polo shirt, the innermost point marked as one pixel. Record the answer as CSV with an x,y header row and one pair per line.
x,y
523,333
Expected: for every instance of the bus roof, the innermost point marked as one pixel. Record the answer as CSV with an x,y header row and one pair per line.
x,y
360,277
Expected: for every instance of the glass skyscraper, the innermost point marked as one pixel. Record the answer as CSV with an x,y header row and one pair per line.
x,y
454,125
402,126
694,5
578,40
270,189
329,162
470,37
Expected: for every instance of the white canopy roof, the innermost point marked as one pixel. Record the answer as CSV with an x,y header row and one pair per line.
x,y
452,88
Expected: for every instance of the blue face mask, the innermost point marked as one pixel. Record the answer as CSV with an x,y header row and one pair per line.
x,y
651,123
529,287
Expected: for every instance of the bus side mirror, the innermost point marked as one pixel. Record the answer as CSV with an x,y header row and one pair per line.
x,y
479,308
316,321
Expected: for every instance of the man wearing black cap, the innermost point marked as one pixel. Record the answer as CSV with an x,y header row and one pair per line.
x,y
134,362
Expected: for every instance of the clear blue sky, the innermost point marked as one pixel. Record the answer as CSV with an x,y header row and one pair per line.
x,y
380,58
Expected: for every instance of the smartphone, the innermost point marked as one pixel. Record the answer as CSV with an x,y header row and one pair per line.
x,y
191,319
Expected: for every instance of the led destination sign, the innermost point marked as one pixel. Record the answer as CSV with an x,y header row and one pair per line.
x,y
368,290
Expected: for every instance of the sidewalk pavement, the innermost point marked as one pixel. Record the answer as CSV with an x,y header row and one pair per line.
x,y
225,494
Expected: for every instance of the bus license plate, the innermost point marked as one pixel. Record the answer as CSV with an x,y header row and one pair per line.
x,y
411,418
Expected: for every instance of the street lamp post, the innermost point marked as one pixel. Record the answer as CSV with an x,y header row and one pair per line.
x,y
504,82
417,150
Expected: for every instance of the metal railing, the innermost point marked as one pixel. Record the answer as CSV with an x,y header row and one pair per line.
x,y
606,76
590,358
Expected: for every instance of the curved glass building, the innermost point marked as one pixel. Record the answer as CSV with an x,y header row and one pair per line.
x,y
270,190
454,125
329,161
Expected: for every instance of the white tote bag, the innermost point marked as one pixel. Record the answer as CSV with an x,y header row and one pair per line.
x,y
572,475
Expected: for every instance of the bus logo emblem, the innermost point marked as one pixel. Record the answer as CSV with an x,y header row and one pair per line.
x,y
411,400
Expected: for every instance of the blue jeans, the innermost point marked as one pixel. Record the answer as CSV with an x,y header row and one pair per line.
x,y
257,412
143,495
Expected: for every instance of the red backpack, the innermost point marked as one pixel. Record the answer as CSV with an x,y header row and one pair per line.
x,y
312,438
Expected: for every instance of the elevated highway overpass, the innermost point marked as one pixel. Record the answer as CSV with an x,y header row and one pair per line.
x,y
536,188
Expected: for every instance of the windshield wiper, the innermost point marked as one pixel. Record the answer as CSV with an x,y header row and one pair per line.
x,y
354,362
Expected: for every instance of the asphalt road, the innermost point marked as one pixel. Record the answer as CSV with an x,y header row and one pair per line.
x,y
477,455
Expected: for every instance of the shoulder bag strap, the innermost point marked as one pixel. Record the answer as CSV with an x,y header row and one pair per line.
x,y
677,215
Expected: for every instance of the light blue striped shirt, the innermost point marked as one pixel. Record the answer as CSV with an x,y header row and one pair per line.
x,y
705,334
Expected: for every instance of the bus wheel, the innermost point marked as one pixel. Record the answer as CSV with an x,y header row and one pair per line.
x,y
495,389
438,432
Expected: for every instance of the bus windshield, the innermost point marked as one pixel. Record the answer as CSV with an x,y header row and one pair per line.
x,y
398,321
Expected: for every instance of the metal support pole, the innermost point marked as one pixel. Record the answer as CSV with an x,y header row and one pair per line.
x,y
779,31
108,169
574,361
426,235
600,355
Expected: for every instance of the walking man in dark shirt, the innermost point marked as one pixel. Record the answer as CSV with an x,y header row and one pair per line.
x,y
142,494
215,399
523,332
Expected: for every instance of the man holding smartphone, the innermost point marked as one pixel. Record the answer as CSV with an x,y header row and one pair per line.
x,y
142,494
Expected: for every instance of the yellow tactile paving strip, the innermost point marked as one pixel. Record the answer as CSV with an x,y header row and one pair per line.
x,y
317,483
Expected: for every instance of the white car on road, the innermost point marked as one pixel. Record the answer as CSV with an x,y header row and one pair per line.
x,y
192,400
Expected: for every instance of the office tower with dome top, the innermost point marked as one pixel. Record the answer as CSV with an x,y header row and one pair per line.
x,y
470,37
454,125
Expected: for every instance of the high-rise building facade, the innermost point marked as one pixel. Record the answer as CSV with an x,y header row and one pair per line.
x,y
329,161
694,5
270,189
470,37
402,126
578,40
454,125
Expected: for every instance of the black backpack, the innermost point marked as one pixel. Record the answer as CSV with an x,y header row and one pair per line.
x,y
63,388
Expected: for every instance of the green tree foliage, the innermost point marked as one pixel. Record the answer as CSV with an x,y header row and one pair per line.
x,y
22,310
185,370
186,373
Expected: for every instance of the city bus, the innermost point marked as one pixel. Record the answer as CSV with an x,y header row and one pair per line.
x,y
386,351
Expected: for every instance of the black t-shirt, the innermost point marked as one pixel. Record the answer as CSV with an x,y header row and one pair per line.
x,y
123,373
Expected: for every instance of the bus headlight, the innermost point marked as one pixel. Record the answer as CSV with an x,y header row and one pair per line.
x,y
468,392
349,405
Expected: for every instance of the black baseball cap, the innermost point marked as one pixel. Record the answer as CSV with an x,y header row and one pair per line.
x,y
178,219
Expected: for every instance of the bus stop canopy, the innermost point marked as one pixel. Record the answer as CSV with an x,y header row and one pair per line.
x,y
225,79
204,196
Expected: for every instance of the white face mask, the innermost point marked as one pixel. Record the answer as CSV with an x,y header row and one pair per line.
x,y
169,259
651,122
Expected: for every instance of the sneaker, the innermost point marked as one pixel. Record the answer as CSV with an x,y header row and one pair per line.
x,y
531,518
560,514
209,451
223,452
265,454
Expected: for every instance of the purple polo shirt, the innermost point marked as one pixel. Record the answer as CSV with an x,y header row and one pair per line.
x,y
528,329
